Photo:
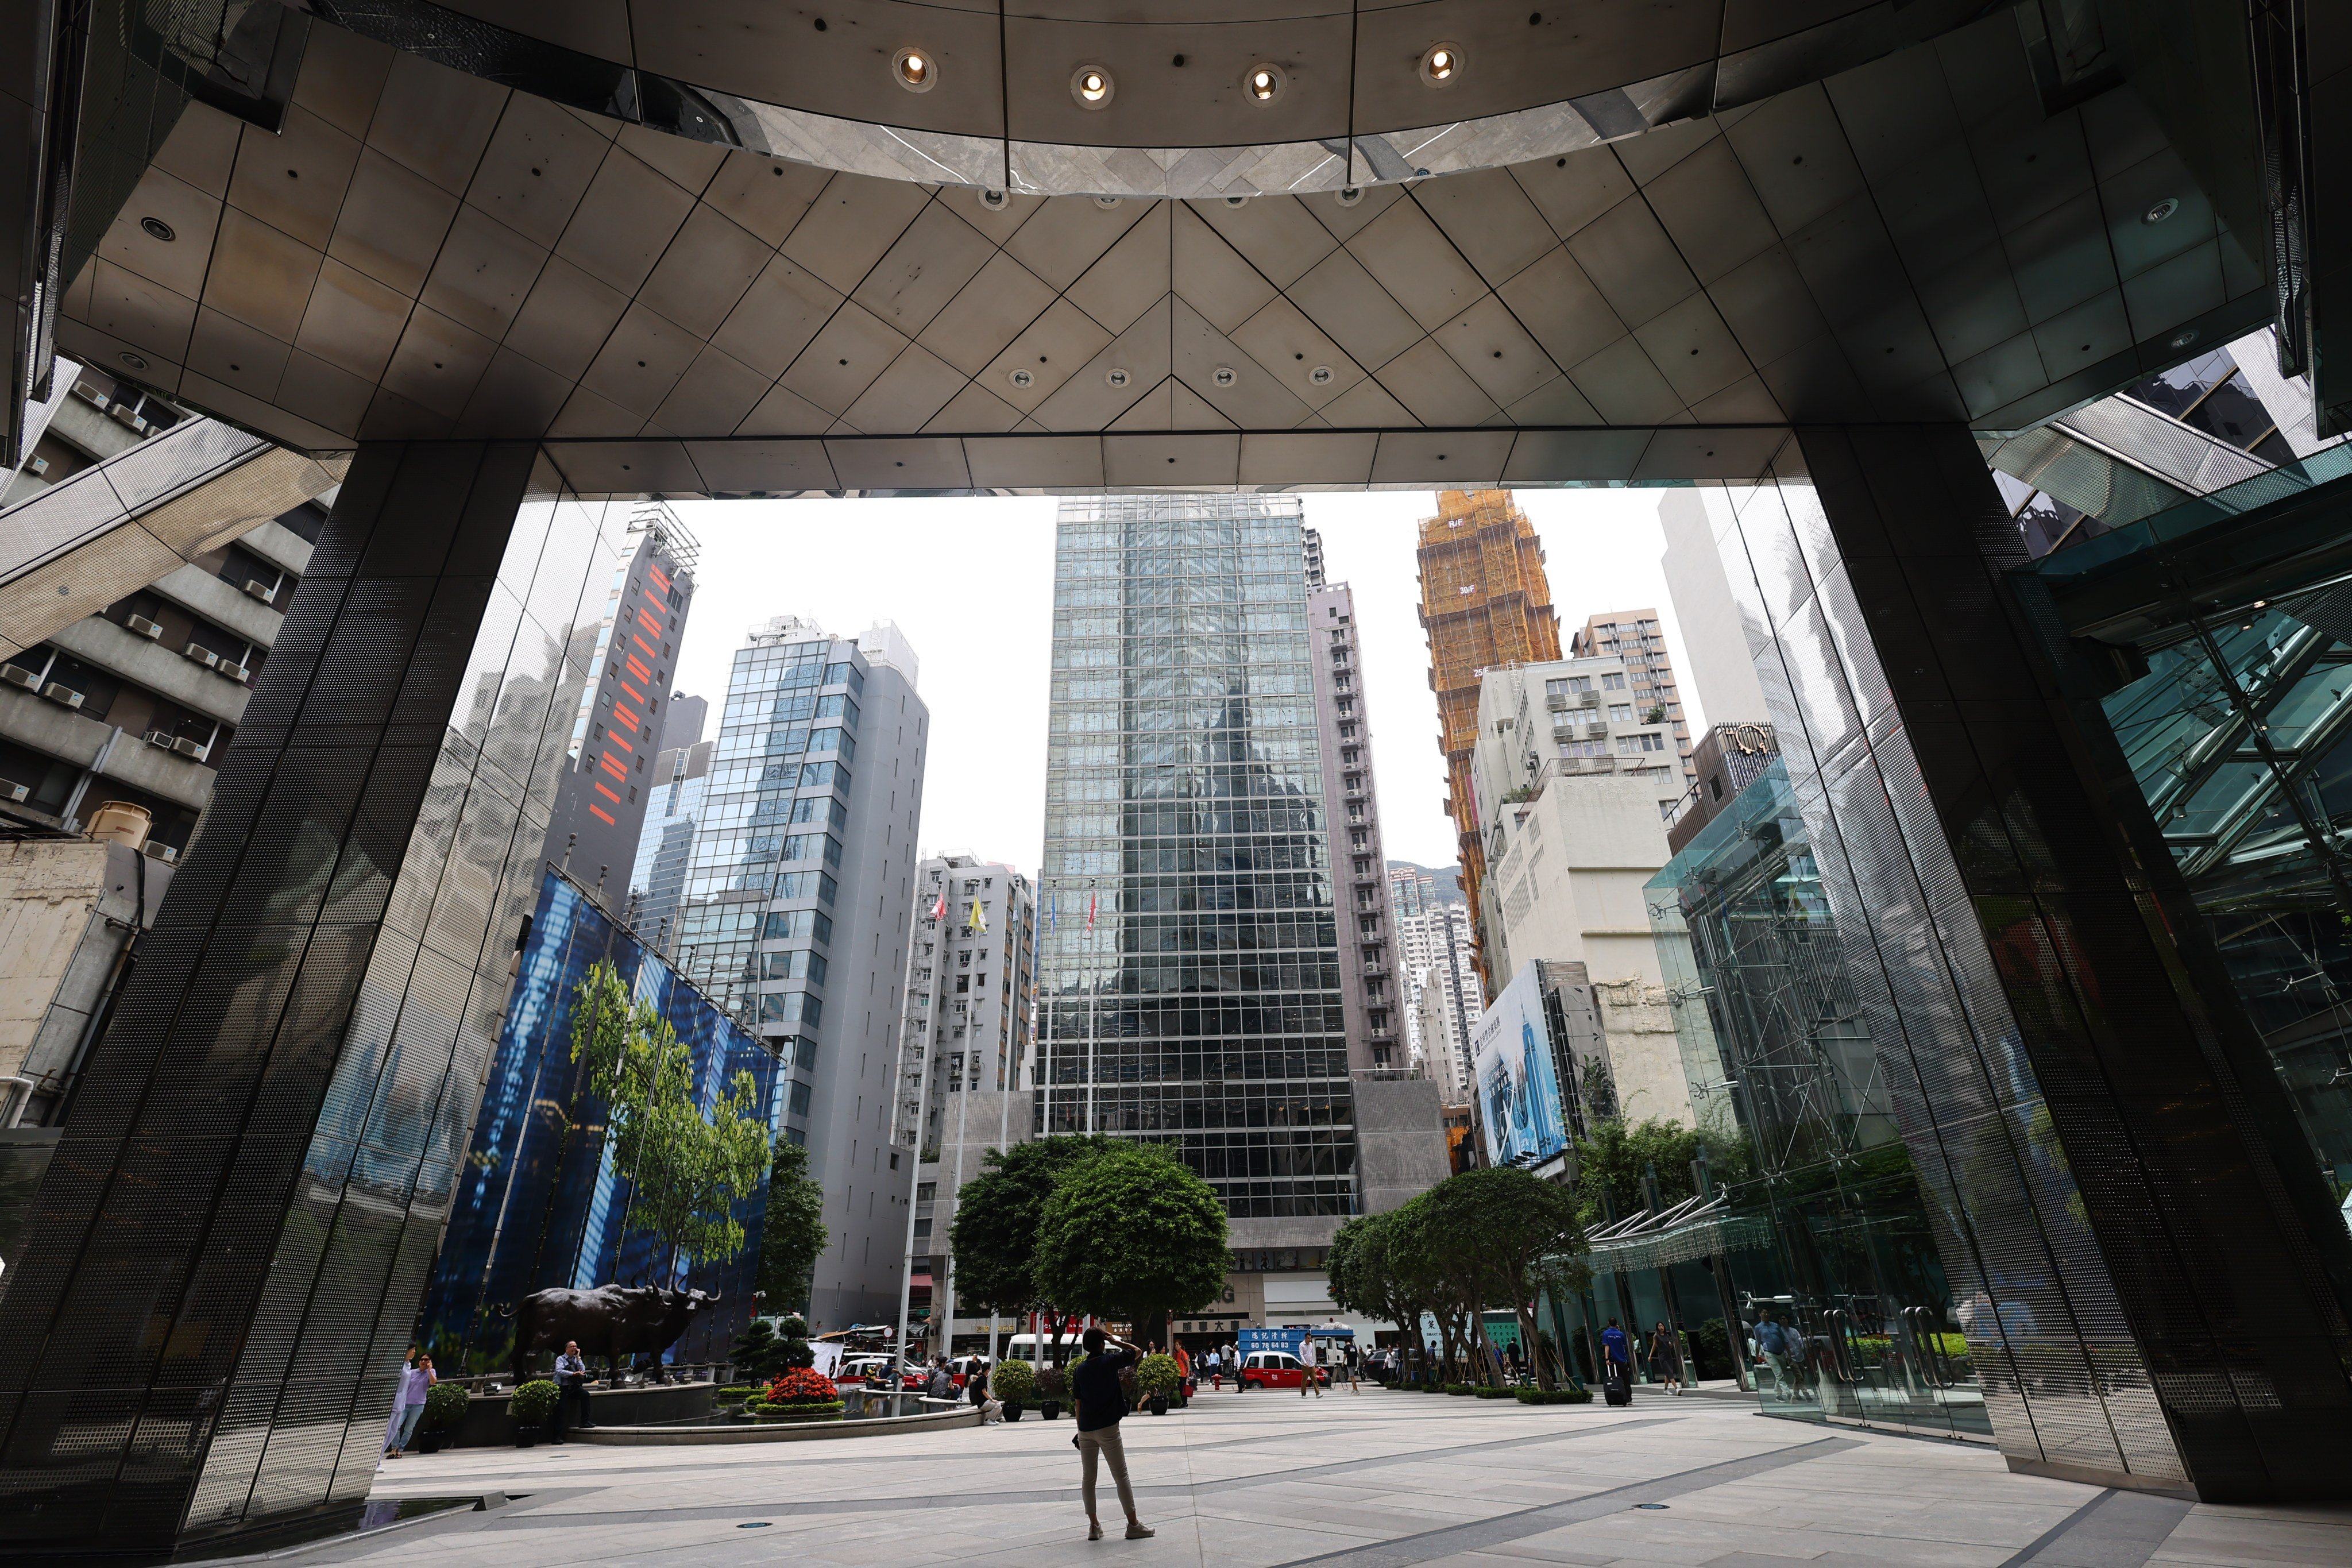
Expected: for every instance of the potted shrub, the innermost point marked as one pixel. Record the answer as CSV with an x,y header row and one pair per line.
x,y
1157,1377
1014,1384
801,1394
530,1408
444,1413
1053,1387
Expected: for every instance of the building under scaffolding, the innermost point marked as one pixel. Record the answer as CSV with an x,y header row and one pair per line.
x,y
1485,601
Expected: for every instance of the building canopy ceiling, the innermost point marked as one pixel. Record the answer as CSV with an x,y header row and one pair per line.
x,y
424,251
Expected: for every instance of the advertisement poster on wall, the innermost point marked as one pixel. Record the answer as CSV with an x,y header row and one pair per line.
x,y
1519,1088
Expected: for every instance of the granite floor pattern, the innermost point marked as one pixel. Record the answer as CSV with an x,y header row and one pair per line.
x,y
1380,1481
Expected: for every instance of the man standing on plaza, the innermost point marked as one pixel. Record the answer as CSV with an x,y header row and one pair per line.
x,y
1617,1364
1101,1402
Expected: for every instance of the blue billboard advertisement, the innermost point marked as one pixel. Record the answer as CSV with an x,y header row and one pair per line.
x,y
1518,1086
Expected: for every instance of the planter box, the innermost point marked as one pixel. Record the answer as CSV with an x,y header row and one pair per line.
x,y
488,1425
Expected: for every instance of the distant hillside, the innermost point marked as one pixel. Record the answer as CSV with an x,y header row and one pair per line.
x,y
1449,878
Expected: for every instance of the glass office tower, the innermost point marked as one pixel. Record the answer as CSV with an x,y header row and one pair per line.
x,y
1188,969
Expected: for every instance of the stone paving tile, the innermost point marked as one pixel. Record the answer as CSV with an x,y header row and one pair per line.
x,y
1396,1480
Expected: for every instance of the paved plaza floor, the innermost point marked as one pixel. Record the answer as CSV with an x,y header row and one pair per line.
x,y
1375,1480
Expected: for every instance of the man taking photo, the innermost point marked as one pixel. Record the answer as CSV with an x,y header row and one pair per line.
x,y
1101,1402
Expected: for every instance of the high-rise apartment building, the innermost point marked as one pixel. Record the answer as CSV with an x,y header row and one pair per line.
x,y
1413,889
1446,995
600,808
673,807
963,1041
795,915
1635,637
1370,979
1485,601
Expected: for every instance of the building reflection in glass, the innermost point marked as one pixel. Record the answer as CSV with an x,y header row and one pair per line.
x,y
1782,1062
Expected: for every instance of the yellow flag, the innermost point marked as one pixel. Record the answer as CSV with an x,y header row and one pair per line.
x,y
979,921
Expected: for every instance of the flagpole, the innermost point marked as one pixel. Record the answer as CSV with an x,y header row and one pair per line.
x,y
1094,990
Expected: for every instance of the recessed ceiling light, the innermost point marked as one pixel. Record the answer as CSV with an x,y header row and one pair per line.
x,y
1105,203
136,362
1092,86
2186,336
915,70
1116,377
1264,82
1350,195
994,201
1223,375
2161,210
1441,64
156,229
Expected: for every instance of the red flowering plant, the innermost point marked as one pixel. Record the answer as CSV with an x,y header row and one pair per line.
x,y
803,1385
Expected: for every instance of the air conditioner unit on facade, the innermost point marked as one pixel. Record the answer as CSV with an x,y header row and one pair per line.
x,y
234,671
17,792
187,748
145,628
163,852
260,591
202,656
24,678
65,694
158,738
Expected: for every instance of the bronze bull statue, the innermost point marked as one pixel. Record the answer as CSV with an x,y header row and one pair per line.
x,y
612,1321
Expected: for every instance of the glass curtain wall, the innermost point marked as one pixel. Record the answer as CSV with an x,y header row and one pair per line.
x,y
2240,737
1189,965
1842,1256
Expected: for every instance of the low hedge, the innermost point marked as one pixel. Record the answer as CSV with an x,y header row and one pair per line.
x,y
1495,1392
758,1409
1462,1388
1554,1395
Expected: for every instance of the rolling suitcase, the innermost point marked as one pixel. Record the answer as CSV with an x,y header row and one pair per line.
x,y
1619,1388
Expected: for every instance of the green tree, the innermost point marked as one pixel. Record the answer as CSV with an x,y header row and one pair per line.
x,y
993,1237
1129,1234
1364,1281
792,1236
686,1167
1613,1159
1528,1240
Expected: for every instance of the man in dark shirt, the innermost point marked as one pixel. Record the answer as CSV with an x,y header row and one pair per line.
x,y
1101,1402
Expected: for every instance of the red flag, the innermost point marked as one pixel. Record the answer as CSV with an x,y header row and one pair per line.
x,y
940,910
1090,911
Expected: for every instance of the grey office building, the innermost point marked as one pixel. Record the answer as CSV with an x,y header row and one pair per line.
x,y
795,915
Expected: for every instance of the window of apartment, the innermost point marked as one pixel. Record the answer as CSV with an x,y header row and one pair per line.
x,y
1612,681
1620,712
1584,748
1647,741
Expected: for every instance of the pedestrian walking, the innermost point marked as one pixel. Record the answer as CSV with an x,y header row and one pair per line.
x,y
1184,1371
1667,1358
1354,1360
1617,1364
1101,1402
1309,1351
571,1383
414,1381
1772,1344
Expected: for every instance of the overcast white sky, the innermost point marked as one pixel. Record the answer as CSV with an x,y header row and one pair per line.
x,y
970,583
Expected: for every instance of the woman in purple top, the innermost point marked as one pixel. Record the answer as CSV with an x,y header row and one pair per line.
x,y
413,1381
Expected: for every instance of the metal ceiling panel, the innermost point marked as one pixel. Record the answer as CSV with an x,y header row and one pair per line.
x,y
844,358
975,408
982,321
484,273
1041,462
1048,350
762,467
1452,457
641,361
1303,459
1489,219
916,387
937,256
566,318
1212,276
910,462
1131,277
392,223
1278,238
1171,462
1574,456
706,271
1495,350
623,222
1295,351
1411,258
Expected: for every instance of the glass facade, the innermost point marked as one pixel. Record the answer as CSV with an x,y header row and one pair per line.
x,y
540,1203
1189,963
754,923
1824,1227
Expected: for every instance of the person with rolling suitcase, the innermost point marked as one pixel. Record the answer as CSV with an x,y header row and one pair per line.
x,y
1617,1373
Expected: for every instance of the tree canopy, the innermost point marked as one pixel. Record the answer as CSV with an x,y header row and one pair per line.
x,y
1615,1156
1132,1233
993,1237
685,1166
792,1236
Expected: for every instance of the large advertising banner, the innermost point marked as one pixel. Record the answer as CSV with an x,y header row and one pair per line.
x,y
1518,1090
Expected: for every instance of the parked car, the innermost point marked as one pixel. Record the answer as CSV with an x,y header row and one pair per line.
x,y
1277,1369
873,1370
